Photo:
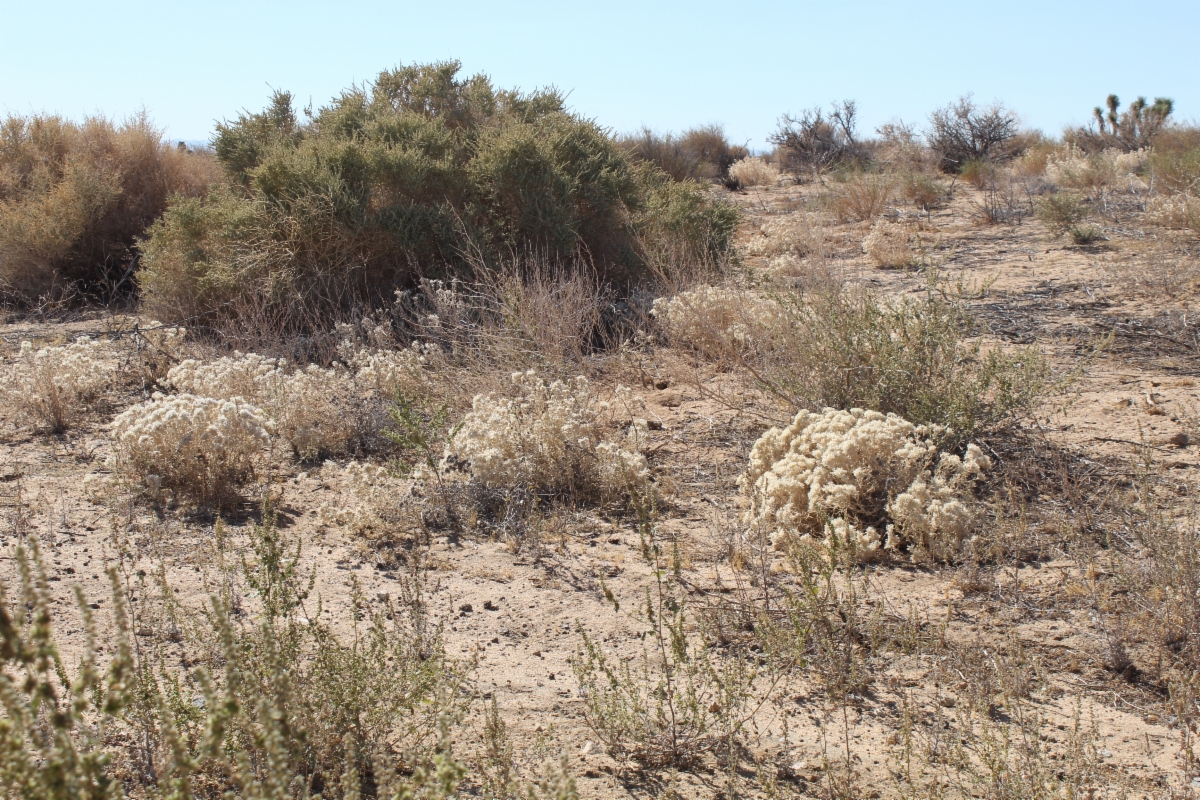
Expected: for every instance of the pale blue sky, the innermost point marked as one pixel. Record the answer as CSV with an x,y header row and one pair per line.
x,y
668,65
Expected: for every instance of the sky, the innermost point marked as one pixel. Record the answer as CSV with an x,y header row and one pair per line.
x,y
666,65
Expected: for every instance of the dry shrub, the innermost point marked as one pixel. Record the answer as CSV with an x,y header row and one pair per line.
x,y
887,245
923,191
196,448
1066,214
863,196
307,405
56,385
799,235
873,482
963,132
812,142
754,171
74,197
548,439
718,322
1155,268
700,153
1093,173
1177,211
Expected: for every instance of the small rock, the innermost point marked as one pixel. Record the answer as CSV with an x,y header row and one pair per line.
x,y
144,631
93,606
671,398
466,608
495,640
551,676
537,653
661,383
490,606
948,702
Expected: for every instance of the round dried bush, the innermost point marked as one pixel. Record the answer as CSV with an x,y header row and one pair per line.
x,y
873,482
548,439
55,385
715,321
196,448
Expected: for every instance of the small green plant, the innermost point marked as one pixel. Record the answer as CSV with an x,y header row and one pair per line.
x,y
1065,214
978,172
684,698
923,191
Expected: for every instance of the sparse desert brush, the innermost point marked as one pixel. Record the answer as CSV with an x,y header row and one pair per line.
x,y
963,131
754,171
923,191
386,373
887,245
845,347
303,403
812,142
978,172
197,448
1065,214
715,321
374,497
863,196
1179,211
875,483
1093,173
548,439
75,196
701,153
798,234
57,384
1136,128
420,167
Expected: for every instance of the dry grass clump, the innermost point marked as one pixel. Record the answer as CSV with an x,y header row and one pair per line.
x,y
874,483
303,403
1093,173
547,439
887,245
197,448
797,234
715,321
861,197
74,197
374,499
56,385
754,171
1177,211
923,191
1066,214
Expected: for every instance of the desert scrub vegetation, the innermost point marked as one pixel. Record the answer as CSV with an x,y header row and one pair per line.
x,y
861,196
1066,214
917,357
548,439
812,143
887,245
875,483
717,322
74,198
1135,128
273,705
964,132
753,171
54,386
700,153
419,167
197,449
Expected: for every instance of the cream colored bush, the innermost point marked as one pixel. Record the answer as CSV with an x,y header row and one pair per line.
x,y
386,373
715,321
373,498
55,385
548,438
302,403
754,171
877,483
799,235
198,448
1072,168
1179,211
887,245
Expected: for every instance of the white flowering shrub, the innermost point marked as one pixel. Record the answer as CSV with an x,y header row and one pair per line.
x,y
715,321
386,373
887,245
794,234
876,482
1090,172
373,497
1180,211
754,171
302,403
548,439
197,448
158,347
55,385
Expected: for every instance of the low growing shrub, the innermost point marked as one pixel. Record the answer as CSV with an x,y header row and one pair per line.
x,y
548,439
717,322
701,153
963,132
55,385
199,449
1065,214
862,197
886,245
876,482
754,172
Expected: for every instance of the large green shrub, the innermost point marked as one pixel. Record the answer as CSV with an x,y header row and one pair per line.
x,y
419,173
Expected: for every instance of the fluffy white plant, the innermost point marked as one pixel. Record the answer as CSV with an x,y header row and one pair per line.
x,y
199,448
302,403
373,497
877,482
714,320
887,245
754,171
799,235
384,373
55,385
548,439
1075,169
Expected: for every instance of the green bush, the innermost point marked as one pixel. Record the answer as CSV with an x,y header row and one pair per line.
x,y
418,173
1064,214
